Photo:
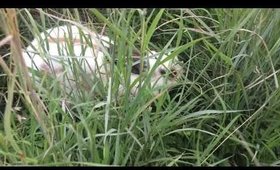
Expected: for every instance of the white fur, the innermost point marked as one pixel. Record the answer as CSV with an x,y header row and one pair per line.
x,y
50,52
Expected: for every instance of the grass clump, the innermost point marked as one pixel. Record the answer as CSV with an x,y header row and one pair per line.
x,y
224,111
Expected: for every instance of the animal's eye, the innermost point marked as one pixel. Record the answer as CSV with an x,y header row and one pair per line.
x,y
162,71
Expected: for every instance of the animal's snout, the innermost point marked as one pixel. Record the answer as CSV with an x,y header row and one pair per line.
x,y
173,73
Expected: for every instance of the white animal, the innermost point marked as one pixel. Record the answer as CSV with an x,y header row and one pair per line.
x,y
56,51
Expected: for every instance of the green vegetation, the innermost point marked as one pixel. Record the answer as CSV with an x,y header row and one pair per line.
x,y
225,110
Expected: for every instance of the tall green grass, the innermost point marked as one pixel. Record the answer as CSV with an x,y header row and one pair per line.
x,y
224,111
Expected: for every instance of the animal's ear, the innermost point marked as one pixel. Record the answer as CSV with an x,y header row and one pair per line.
x,y
135,66
136,53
